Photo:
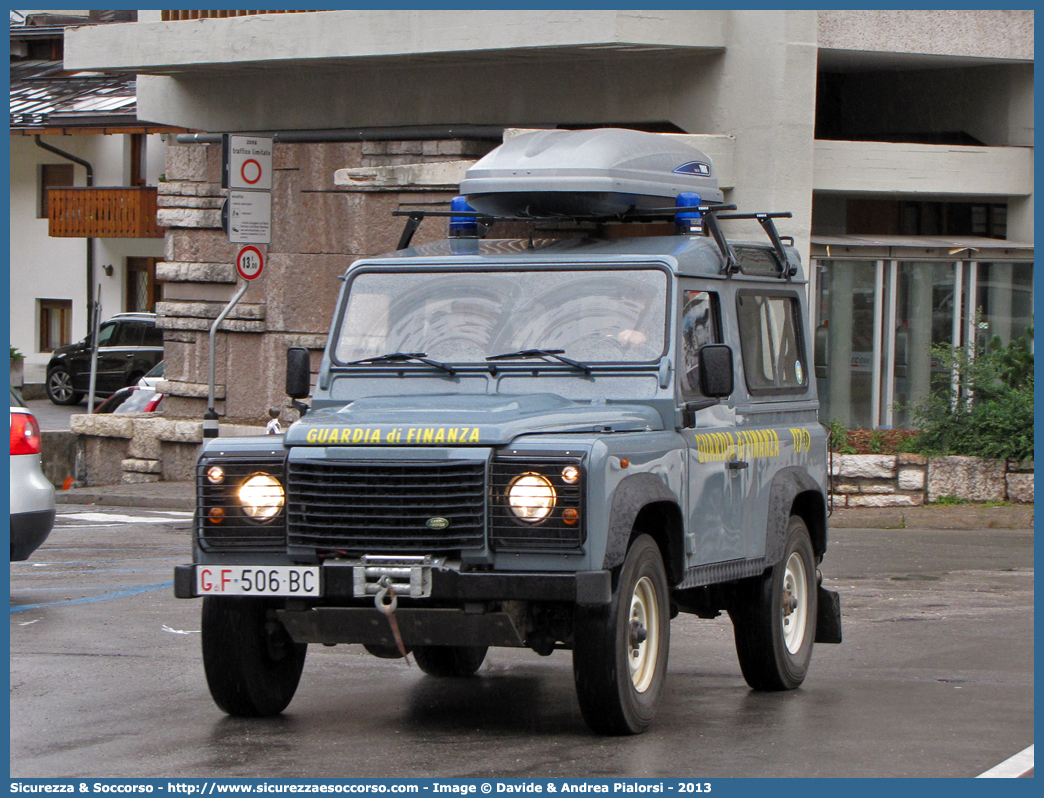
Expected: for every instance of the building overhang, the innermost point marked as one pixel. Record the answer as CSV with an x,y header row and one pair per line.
x,y
875,168
339,37
949,248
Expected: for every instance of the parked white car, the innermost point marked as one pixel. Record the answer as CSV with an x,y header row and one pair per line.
x,y
32,496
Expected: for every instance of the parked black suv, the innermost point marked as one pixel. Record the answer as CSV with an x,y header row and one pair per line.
x,y
129,345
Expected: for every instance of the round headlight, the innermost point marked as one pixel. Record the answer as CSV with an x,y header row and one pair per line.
x,y
261,496
531,497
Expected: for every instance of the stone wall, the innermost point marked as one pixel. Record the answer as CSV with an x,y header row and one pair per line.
x,y
910,480
319,228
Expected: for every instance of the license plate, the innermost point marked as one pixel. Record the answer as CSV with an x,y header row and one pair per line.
x,y
243,580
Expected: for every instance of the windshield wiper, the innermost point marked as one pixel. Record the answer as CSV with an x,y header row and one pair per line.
x,y
401,357
552,353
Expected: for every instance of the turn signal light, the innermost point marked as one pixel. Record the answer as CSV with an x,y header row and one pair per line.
x,y
216,515
570,516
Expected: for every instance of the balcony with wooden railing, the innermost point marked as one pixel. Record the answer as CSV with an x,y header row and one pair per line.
x,y
181,14
103,212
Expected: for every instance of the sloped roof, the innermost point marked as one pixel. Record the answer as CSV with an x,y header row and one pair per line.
x,y
43,95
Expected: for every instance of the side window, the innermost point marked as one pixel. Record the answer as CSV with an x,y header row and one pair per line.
x,y
130,334
153,336
699,326
771,342
107,334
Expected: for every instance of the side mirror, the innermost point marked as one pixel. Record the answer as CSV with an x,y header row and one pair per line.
x,y
716,374
298,372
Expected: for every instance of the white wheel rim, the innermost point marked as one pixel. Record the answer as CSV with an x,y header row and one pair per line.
x,y
794,610
642,657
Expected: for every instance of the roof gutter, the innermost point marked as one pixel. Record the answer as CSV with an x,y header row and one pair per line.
x,y
90,241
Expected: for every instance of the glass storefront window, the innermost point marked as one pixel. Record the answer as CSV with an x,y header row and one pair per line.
x,y
916,303
925,303
1004,301
844,345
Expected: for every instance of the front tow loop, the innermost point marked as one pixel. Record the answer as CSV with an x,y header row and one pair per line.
x,y
387,602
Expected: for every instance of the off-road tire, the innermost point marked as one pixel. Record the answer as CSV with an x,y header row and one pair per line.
x,y
252,665
59,387
450,661
774,647
618,678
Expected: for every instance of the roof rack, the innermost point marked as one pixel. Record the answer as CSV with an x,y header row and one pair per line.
x,y
711,215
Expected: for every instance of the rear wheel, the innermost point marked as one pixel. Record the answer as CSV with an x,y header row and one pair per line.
x,y
450,661
252,665
775,618
60,388
620,650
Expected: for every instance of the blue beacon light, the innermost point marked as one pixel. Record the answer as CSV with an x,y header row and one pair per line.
x,y
688,222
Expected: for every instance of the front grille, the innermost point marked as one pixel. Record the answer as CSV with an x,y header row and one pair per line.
x,y
234,529
370,507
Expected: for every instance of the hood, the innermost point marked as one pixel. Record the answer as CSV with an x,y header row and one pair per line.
x,y
452,420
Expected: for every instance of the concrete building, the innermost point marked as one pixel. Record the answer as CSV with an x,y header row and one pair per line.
x,y
902,142
70,131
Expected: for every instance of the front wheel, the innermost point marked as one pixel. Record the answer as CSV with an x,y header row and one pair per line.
x,y
774,618
59,387
620,651
450,661
251,663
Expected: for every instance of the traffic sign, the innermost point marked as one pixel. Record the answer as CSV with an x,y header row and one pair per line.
x,y
248,162
249,217
250,262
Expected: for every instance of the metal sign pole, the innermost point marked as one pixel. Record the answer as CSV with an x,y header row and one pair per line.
x,y
210,418
95,318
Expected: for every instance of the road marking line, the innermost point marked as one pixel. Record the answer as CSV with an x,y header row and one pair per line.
x,y
1015,767
113,518
119,594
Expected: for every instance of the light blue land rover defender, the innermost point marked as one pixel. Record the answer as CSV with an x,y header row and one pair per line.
x,y
553,443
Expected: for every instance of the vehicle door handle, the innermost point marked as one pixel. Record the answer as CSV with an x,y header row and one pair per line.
x,y
736,465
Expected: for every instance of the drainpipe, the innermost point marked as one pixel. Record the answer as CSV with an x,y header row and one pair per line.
x,y
90,241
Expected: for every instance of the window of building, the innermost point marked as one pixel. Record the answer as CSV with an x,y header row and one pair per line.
x,y
770,342
700,325
55,323
137,159
924,218
143,290
877,322
52,175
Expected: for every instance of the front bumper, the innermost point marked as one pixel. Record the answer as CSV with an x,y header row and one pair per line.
x,y
449,585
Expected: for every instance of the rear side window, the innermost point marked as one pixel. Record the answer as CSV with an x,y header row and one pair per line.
x,y
771,342
153,336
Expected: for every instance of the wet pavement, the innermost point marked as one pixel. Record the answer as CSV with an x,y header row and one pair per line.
x,y
934,678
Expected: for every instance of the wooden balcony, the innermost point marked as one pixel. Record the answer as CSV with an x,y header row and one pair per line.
x,y
176,16
103,212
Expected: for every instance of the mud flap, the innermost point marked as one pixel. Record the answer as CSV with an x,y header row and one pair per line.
x,y
828,618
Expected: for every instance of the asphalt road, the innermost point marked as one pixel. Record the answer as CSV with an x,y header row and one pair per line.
x,y
935,678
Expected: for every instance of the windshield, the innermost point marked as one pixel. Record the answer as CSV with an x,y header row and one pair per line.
x,y
461,317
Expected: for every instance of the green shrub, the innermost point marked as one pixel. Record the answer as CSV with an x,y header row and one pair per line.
x,y
838,438
991,413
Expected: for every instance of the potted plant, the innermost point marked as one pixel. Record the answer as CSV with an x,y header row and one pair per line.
x,y
17,368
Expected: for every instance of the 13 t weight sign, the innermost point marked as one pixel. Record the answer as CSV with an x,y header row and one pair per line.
x,y
249,263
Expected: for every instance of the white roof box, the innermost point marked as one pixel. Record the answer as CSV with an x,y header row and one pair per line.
x,y
602,172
